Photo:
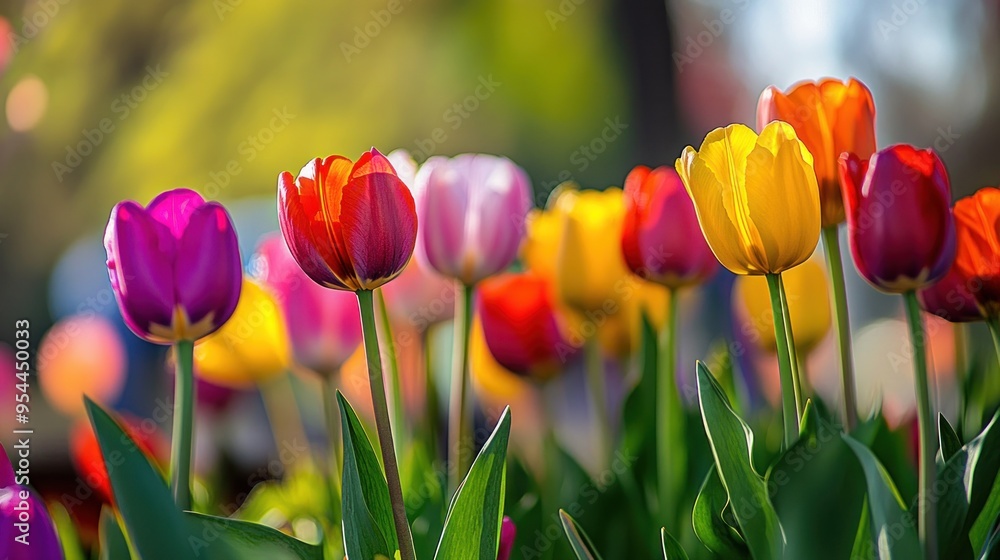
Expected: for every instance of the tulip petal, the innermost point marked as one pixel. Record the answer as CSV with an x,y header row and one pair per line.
x,y
378,220
444,201
977,225
300,217
708,194
783,198
498,204
6,472
208,269
174,209
43,539
141,253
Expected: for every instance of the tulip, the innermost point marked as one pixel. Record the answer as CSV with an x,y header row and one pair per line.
x,y
175,270
324,325
977,261
17,503
251,348
350,226
661,240
81,355
521,326
830,117
977,225
353,226
808,306
951,297
758,206
755,196
902,238
472,208
175,266
508,531
900,227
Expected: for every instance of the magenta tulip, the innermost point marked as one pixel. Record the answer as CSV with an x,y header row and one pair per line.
x,y
472,209
324,325
175,266
26,531
951,299
508,531
661,239
899,220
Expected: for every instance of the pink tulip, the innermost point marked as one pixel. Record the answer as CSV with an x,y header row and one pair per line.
x,y
472,209
324,325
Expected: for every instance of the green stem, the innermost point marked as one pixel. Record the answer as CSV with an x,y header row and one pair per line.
x,y
788,414
395,382
926,523
332,471
792,351
597,387
670,449
835,267
180,444
460,443
994,323
431,405
961,356
383,425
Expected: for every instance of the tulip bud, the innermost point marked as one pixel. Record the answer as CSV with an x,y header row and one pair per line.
x,y
27,531
174,265
661,240
472,209
898,218
350,226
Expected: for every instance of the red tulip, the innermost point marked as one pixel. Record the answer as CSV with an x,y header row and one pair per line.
x,y
898,218
520,324
951,299
661,239
350,226
85,451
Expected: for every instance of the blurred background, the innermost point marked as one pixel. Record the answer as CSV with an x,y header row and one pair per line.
x,y
117,99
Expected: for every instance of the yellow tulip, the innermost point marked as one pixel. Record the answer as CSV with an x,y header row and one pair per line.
x,y
756,197
252,347
590,271
808,306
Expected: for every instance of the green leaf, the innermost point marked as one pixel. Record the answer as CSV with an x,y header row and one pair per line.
x,y
424,489
253,540
820,519
368,525
66,531
863,543
472,527
950,442
971,502
156,527
893,528
113,543
732,446
578,539
709,524
671,548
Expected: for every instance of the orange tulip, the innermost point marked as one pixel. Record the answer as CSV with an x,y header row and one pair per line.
x,y
977,219
830,117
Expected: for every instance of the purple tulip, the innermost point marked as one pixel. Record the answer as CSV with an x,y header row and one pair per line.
x,y
175,266
507,533
471,211
324,324
26,531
